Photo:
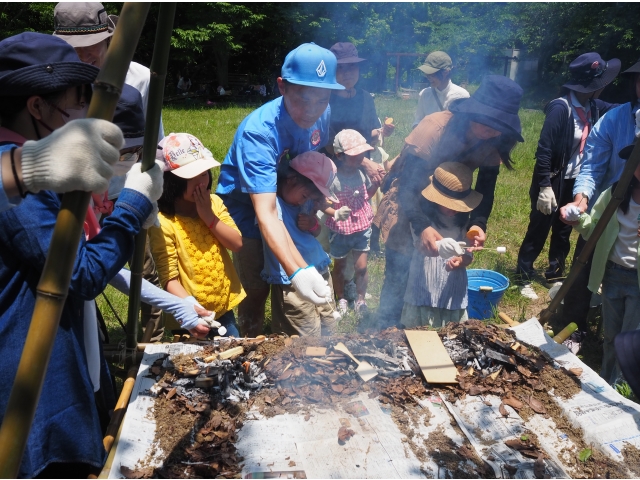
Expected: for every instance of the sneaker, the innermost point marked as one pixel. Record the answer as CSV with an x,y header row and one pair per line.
x,y
361,308
350,292
574,342
343,306
527,291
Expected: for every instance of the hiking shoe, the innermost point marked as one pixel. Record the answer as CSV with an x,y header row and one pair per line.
x,y
527,291
350,292
343,306
361,308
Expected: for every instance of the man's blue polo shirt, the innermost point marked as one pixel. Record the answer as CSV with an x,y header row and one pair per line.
x,y
265,137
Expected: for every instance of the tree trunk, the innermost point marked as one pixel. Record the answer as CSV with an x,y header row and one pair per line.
x,y
221,55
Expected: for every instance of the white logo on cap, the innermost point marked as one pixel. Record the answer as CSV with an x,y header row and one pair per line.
x,y
321,70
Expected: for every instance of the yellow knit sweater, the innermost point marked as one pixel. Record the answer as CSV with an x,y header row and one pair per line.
x,y
184,248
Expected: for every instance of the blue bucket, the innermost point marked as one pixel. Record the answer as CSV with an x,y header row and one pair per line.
x,y
482,304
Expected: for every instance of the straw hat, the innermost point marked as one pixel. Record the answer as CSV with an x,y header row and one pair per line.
x,y
451,187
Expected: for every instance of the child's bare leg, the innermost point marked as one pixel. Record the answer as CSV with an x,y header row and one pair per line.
x,y
337,274
361,275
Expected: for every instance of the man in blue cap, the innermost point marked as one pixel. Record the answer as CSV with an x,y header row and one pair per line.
x,y
292,124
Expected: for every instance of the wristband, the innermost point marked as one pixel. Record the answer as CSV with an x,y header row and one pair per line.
x,y
294,274
315,226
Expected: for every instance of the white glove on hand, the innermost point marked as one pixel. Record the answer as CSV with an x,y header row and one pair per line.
x,y
207,321
342,213
78,156
148,183
572,213
637,132
448,247
310,285
547,201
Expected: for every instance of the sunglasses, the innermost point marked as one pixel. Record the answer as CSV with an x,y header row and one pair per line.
x,y
132,155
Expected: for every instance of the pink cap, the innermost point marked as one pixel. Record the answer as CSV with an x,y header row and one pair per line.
x,y
184,155
317,168
350,143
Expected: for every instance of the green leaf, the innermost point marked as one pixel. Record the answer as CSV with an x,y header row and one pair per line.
x,y
524,438
584,455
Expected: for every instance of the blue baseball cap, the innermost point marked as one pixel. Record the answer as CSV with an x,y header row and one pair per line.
x,y
312,66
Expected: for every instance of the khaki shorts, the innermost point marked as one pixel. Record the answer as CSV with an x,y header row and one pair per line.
x,y
295,316
249,262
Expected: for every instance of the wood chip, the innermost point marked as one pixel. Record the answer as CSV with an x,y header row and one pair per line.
x,y
345,434
288,342
495,374
536,405
513,402
315,351
577,371
171,393
503,411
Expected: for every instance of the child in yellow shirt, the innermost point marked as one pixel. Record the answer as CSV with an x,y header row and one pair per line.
x,y
190,247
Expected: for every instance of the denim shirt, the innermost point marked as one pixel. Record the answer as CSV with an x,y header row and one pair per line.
x,y
66,427
602,166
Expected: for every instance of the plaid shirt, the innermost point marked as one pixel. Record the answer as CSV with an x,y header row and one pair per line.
x,y
361,213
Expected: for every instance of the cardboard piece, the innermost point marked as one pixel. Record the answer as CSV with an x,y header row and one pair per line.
x,y
433,359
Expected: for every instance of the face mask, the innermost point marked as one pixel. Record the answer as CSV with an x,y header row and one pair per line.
x,y
74,113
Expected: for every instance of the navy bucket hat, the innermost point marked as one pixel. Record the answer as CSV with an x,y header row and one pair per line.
x,y
589,72
495,104
34,63
129,116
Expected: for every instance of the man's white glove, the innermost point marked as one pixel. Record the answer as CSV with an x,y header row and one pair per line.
x,y
637,132
78,156
147,183
342,213
572,213
547,201
310,285
448,247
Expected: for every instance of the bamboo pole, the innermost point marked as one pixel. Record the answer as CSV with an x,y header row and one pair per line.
x,y
120,410
609,211
152,124
53,287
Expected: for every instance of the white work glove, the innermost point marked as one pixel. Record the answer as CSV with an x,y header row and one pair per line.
x,y
342,213
310,285
78,156
547,201
448,247
147,183
206,321
637,132
572,213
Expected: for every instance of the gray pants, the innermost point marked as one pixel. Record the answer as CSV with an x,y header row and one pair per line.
x,y
620,313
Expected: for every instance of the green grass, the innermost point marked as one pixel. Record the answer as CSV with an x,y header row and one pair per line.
x,y
216,126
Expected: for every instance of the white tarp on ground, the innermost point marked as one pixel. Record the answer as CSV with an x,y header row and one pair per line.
x,y
606,417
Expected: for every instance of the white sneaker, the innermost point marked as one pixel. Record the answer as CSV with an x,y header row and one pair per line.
x,y
527,291
343,306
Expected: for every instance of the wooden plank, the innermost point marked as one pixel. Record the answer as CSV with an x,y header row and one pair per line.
x,y
316,351
433,359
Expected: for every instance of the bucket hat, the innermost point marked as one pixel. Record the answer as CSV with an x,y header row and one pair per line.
x,y
627,348
495,104
184,155
311,66
350,142
589,72
319,169
635,68
346,52
451,187
435,62
129,116
34,63
81,24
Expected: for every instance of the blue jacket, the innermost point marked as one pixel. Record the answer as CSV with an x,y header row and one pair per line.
x,y
66,427
602,165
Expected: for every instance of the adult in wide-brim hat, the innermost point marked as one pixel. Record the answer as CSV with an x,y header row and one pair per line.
x,y
82,24
495,104
590,73
34,63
